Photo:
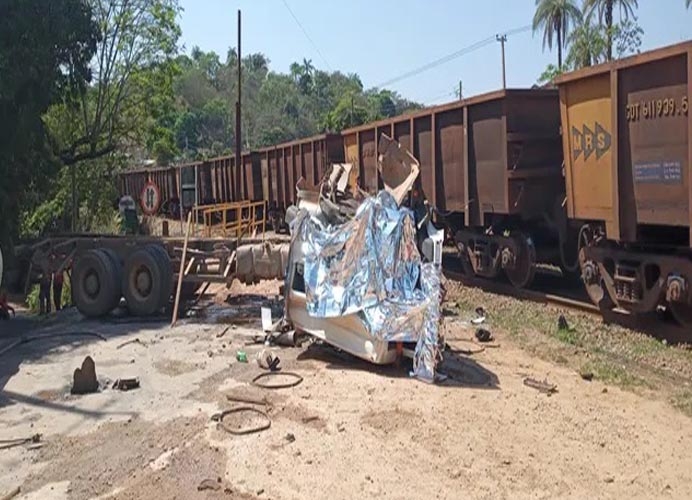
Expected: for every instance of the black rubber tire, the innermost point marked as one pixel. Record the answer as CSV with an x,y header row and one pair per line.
x,y
166,273
148,301
117,269
94,287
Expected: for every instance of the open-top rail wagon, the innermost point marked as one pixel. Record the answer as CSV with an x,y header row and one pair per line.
x,y
626,140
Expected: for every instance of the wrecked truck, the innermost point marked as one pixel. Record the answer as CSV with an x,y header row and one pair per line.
x,y
363,274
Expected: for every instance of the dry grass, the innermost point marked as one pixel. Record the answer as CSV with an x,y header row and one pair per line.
x,y
610,353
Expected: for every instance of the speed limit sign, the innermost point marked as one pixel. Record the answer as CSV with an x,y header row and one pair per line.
x,y
150,199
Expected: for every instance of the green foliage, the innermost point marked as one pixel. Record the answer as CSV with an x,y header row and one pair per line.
x,y
590,42
276,107
45,48
627,36
587,45
97,188
126,111
100,84
549,74
555,18
605,10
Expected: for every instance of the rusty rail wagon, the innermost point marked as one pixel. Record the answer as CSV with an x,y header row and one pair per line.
x,y
626,140
268,174
491,165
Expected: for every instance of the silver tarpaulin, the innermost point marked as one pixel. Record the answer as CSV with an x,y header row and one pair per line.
x,y
371,266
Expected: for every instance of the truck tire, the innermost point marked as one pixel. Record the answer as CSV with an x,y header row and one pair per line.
x,y
142,282
95,288
117,272
166,273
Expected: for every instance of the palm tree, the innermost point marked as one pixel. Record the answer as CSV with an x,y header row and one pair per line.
x,y
554,18
587,45
605,8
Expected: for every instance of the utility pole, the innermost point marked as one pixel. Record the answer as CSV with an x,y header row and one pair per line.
x,y
502,39
238,142
460,94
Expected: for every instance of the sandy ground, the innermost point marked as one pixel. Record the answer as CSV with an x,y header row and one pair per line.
x,y
350,430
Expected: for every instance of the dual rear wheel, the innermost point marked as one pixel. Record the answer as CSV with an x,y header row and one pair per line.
x,y
145,280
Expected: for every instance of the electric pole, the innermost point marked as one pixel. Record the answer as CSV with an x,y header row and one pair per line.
x,y
460,94
238,142
502,39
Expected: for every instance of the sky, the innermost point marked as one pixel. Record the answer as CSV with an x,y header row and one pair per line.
x,y
381,40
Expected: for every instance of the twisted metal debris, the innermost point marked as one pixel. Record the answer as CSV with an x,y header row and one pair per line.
x,y
371,266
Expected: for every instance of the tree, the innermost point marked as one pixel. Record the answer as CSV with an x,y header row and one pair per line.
x,y
554,18
132,71
549,74
605,9
627,37
587,45
45,49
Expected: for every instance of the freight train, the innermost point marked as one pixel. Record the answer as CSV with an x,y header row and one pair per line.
x,y
591,175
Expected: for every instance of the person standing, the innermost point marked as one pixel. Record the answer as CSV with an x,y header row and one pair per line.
x,y
5,307
58,278
44,294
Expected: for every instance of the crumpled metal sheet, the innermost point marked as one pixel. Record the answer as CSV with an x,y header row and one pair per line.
x,y
371,266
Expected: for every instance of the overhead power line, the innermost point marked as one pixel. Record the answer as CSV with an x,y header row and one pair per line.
x,y
454,55
300,25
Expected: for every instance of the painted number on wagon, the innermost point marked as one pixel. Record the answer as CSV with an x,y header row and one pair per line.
x,y
657,108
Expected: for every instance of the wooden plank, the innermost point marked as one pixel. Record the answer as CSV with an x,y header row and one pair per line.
x,y
180,275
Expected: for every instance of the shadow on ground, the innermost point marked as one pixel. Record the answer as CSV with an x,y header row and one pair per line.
x,y
29,340
461,370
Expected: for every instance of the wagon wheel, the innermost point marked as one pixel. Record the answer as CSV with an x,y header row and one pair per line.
x,y
682,313
522,272
590,273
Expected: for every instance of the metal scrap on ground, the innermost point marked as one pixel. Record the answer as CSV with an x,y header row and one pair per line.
x,y
545,387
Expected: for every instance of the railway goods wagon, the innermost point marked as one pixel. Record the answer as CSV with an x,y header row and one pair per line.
x,y
491,165
166,178
216,179
626,140
284,164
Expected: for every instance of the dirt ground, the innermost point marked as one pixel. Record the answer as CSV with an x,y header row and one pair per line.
x,y
348,430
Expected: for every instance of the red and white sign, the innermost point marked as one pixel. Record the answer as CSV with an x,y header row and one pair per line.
x,y
150,198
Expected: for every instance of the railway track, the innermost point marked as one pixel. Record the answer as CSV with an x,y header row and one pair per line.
x,y
547,291
507,289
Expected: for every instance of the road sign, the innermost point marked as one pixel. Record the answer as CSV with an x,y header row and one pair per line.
x,y
150,199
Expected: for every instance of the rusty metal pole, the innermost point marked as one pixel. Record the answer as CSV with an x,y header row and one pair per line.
x,y
502,39
238,141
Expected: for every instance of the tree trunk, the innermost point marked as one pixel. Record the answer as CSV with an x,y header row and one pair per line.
x,y
559,48
609,26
